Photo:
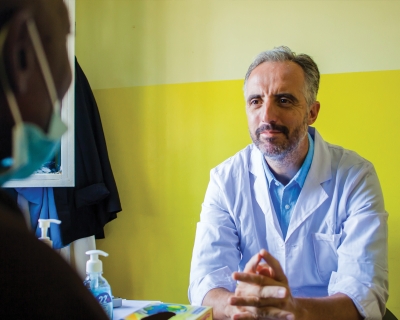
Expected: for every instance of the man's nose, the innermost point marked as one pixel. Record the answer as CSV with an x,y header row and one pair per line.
x,y
269,112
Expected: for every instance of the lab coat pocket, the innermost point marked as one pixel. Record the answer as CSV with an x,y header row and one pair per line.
x,y
325,250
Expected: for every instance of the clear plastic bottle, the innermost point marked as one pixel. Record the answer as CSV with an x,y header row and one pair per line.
x,y
96,283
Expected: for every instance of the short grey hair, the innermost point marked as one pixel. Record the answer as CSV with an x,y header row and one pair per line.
x,y
282,54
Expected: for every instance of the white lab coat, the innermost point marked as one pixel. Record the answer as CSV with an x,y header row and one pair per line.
x,y
336,240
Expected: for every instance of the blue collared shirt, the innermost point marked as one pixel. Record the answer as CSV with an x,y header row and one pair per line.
x,y
283,197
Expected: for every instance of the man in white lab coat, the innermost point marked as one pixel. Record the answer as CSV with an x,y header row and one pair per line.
x,y
291,227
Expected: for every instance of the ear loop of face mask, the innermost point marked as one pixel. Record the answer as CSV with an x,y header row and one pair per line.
x,y
37,43
12,102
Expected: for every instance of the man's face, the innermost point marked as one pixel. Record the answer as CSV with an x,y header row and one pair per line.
x,y
277,112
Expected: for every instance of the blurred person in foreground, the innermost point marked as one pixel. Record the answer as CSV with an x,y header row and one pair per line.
x,y
291,227
35,282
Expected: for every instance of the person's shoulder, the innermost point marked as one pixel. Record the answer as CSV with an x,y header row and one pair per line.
x,y
59,292
9,207
347,154
338,154
346,158
236,163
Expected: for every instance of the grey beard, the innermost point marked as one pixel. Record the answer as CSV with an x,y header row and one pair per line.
x,y
285,152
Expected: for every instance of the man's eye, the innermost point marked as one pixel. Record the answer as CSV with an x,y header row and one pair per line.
x,y
255,102
284,101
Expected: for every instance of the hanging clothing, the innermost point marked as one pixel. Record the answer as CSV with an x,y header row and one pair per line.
x,y
94,201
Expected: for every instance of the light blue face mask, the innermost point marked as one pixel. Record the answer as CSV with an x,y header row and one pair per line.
x,y
31,147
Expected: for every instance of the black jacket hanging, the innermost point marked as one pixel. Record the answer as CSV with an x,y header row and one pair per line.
x,y
94,201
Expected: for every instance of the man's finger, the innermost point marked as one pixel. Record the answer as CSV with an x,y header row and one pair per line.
x,y
255,291
254,278
251,265
265,270
252,313
274,264
252,301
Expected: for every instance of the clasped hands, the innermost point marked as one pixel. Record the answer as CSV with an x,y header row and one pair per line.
x,y
262,292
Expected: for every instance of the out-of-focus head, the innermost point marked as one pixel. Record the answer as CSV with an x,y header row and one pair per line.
x,y
307,64
22,66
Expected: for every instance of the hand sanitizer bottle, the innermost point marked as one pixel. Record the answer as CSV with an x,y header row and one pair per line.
x,y
96,283
44,224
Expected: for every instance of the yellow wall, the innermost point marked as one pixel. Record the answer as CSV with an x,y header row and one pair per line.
x,y
124,43
167,79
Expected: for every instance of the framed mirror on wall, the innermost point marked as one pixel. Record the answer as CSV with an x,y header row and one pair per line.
x,y
60,172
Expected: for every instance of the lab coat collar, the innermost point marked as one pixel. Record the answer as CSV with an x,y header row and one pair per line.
x,y
261,193
312,195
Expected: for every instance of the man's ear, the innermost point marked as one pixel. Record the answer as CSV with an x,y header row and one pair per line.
x,y
313,112
19,52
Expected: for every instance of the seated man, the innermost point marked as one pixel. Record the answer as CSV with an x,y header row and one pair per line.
x,y
35,282
298,222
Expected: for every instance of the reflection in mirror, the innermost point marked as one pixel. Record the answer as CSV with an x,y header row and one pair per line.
x,y
61,171
53,166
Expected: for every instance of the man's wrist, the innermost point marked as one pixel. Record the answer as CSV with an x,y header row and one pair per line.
x,y
229,312
301,313
218,299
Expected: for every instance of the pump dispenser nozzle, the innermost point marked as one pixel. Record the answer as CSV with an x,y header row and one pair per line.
x,y
44,224
94,264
